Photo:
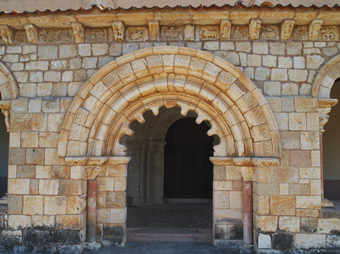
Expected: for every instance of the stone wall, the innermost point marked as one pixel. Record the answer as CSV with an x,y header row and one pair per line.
x,y
48,197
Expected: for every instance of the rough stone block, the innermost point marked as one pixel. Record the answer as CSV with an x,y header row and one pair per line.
x,y
309,225
221,199
282,241
264,241
285,175
309,202
19,221
289,224
72,222
18,186
15,204
48,187
47,52
67,51
55,205
267,223
329,226
76,204
300,158
72,187
43,221
307,241
282,205
25,172
35,156
33,205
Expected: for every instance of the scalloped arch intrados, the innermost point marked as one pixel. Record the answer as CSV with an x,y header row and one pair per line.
x,y
326,78
147,79
8,86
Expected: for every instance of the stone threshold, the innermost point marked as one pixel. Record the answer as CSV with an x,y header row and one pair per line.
x,y
331,212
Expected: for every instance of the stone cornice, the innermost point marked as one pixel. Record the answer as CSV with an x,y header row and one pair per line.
x,y
180,16
245,161
96,161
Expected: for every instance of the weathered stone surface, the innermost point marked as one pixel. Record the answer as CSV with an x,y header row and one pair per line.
x,y
267,223
282,205
289,224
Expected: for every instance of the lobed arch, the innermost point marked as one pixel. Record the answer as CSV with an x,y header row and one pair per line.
x,y
147,79
8,85
326,78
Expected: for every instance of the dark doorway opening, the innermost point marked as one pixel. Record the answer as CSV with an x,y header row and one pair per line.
x,y
331,141
4,138
170,178
188,172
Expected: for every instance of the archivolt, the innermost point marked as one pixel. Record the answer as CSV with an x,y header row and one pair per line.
x,y
326,78
148,79
8,86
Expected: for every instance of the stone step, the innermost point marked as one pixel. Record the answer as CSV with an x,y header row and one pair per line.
x,y
192,235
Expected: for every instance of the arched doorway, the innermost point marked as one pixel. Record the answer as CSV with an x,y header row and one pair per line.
x,y
149,79
166,150
188,172
331,140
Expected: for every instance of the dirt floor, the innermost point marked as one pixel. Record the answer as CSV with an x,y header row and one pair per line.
x,y
171,215
170,248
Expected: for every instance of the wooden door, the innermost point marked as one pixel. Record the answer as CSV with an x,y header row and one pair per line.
x,y
188,172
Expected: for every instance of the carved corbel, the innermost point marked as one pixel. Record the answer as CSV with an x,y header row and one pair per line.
x,y
118,31
225,29
5,107
287,29
78,32
7,34
32,33
189,33
254,29
314,29
154,30
325,106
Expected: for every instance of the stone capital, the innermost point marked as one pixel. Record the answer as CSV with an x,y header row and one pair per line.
x,y
324,108
5,107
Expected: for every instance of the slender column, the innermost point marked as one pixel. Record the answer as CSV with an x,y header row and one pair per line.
x,y
91,210
321,166
247,193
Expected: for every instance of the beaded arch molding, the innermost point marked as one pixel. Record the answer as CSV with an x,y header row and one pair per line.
x,y
124,89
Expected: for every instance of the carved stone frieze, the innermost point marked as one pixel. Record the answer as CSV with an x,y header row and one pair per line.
x,y
20,36
174,33
189,33
6,34
225,29
32,33
78,32
300,33
254,29
5,107
329,33
239,32
137,33
287,29
55,35
154,30
209,33
96,34
314,29
118,31
269,32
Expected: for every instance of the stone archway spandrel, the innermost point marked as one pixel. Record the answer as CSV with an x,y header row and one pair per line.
x,y
326,77
123,90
